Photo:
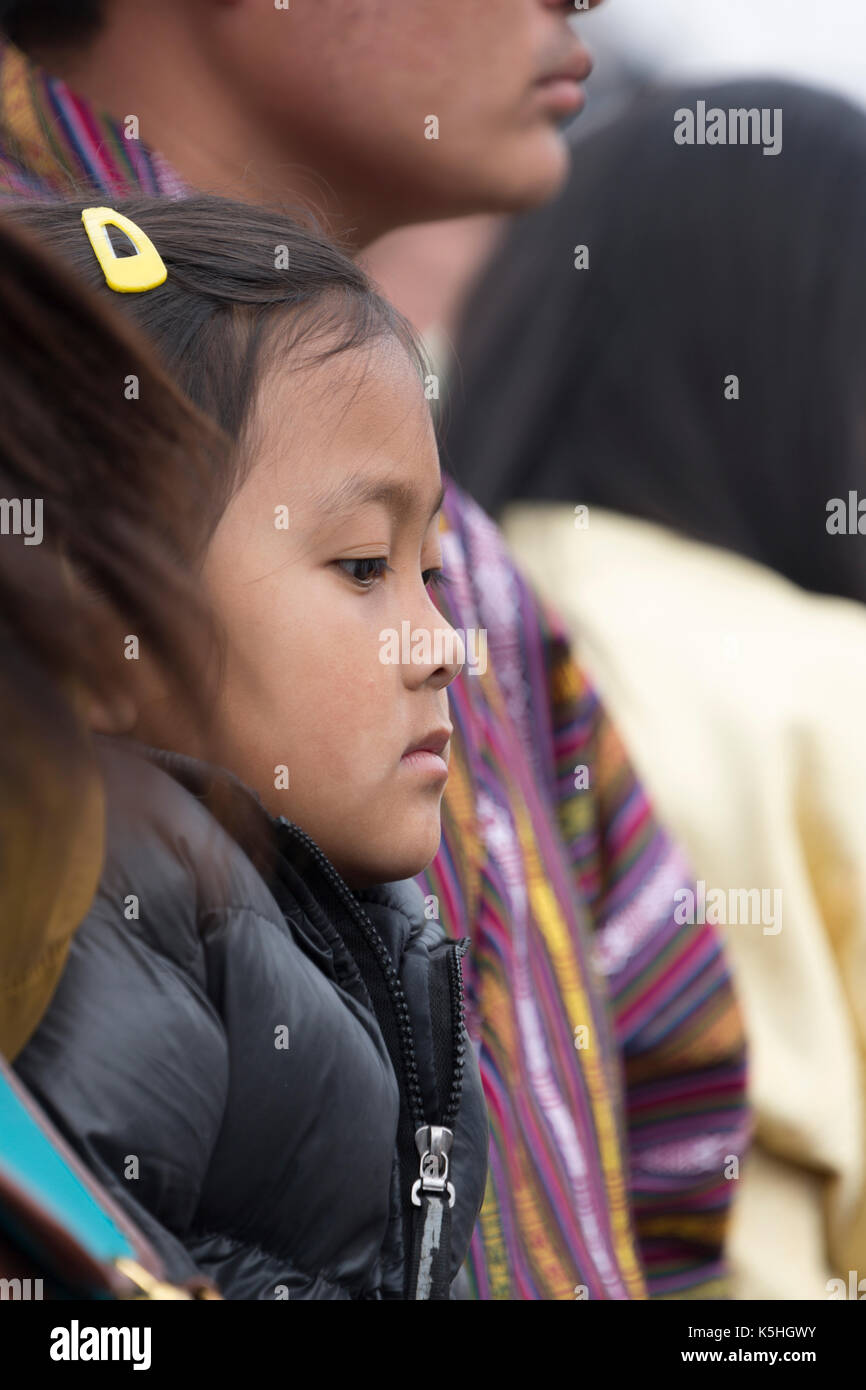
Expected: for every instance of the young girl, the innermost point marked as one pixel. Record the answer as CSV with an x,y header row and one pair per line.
x,y
258,1039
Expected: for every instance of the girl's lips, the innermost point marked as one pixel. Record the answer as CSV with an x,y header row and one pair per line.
x,y
425,762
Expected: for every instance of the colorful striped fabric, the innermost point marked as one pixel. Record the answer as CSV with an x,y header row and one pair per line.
x,y
620,1145
610,1042
52,142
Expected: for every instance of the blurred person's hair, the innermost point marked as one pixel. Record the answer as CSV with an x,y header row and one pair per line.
x,y
119,529
606,386
246,286
31,23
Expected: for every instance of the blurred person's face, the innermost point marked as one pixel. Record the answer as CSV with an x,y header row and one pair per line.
x,y
359,85
304,585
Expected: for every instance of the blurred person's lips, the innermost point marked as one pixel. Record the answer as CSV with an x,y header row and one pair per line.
x,y
560,86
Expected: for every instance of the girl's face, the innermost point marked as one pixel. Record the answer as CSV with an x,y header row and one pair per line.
x,y
332,542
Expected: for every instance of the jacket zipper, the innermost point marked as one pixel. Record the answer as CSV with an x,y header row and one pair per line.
x,y
458,1022
433,1142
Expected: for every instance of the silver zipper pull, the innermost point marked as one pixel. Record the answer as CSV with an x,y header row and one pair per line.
x,y
433,1143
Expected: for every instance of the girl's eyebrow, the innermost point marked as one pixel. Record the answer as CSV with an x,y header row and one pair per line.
x,y
356,489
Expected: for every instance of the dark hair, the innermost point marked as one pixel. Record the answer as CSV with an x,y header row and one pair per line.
x,y
32,23
244,283
606,385
105,472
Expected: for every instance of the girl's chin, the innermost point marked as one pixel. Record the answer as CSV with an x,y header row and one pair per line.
x,y
410,859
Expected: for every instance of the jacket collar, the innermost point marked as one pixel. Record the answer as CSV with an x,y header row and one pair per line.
x,y
266,838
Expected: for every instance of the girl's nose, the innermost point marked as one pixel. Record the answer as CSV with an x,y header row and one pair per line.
x,y
435,653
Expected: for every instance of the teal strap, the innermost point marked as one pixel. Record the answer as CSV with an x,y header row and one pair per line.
x,y
30,1160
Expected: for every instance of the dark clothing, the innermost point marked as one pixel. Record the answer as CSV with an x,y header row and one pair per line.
x,y
227,1048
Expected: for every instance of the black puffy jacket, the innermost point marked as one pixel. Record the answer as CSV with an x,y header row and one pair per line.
x,y
243,1056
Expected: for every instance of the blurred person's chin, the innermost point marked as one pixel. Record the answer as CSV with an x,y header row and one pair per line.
x,y
508,174
529,174
520,173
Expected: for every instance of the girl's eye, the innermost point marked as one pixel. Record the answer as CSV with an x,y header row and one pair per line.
x,y
437,577
374,567
366,579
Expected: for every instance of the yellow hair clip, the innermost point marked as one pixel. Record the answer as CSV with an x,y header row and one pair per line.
x,y
126,274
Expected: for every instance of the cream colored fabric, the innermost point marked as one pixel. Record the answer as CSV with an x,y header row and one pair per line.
x,y
743,701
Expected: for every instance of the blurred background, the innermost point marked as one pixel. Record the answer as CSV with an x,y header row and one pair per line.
x,y
823,44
